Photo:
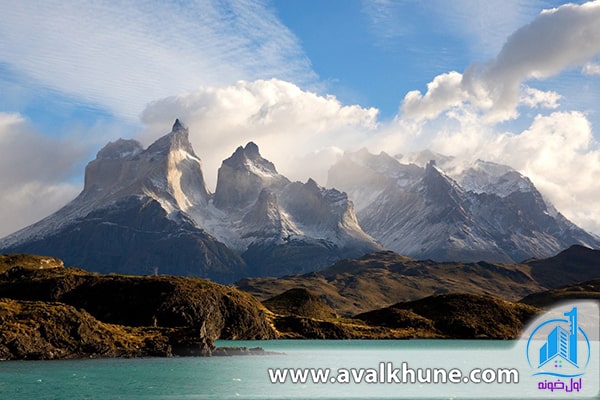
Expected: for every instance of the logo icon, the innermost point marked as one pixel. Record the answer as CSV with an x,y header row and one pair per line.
x,y
559,347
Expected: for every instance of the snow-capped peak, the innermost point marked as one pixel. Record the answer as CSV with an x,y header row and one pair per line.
x,y
491,178
248,158
178,138
439,185
243,176
119,149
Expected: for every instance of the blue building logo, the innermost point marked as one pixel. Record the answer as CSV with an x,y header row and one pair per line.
x,y
565,350
561,344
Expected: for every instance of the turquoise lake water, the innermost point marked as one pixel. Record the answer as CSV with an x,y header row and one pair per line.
x,y
246,377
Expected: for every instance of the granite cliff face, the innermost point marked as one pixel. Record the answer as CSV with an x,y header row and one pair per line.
x,y
131,215
144,211
281,227
243,176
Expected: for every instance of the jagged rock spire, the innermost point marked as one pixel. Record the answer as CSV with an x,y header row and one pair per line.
x,y
178,125
242,177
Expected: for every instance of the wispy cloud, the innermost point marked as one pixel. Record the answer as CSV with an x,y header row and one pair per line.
x,y
120,55
482,26
386,22
485,25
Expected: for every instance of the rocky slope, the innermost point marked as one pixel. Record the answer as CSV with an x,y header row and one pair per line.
x,y
381,279
299,302
582,290
300,314
575,264
278,226
433,208
34,330
165,301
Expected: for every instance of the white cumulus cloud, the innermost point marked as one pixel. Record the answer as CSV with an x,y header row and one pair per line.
x,y
534,98
285,121
559,38
443,92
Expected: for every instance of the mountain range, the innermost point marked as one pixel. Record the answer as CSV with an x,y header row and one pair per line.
x,y
145,211
149,211
432,207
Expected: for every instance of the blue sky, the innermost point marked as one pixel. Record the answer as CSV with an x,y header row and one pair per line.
x,y
307,80
372,53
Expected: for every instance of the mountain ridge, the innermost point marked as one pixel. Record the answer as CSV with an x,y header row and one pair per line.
x,y
149,210
448,211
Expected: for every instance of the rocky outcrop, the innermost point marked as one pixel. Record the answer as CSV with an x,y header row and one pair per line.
x,y
283,227
243,176
8,261
221,312
133,211
295,327
35,330
57,312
